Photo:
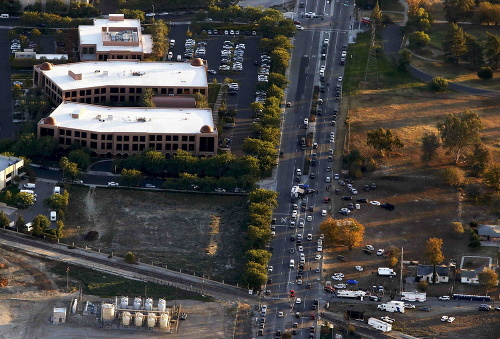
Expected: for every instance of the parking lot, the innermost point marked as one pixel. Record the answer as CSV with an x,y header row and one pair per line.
x,y
246,77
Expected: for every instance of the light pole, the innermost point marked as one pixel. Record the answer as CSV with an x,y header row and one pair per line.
x,y
153,10
67,279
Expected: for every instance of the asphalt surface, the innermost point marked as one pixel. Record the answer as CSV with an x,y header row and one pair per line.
x,y
304,75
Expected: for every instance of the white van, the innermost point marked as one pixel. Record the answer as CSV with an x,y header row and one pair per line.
x,y
170,55
29,186
179,57
57,190
29,192
4,16
292,263
53,216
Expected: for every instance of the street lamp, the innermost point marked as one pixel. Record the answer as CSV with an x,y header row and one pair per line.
x,y
153,10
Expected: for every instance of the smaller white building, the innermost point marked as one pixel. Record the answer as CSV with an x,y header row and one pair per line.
x,y
9,168
59,315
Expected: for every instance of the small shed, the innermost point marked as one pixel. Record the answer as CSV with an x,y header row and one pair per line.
x,y
59,315
489,233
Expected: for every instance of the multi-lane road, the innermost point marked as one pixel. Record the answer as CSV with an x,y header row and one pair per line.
x,y
332,23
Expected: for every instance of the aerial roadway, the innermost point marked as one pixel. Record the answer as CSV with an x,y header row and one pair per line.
x,y
318,46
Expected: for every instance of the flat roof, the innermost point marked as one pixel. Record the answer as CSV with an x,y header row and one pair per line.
x,y
128,73
92,35
131,119
5,161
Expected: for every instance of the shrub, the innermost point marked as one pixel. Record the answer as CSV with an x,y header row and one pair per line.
x,y
130,258
457,229
423,285
91,235
438,84
419,39
485,73
453,176
474,192
475,241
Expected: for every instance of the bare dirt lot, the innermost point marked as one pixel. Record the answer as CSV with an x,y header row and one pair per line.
x,y
195,233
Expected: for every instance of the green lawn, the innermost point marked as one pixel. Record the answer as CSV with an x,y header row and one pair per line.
x,y
388,75
108,285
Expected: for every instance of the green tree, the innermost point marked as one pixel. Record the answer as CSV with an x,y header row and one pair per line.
x,y
433,253
438,84
458,10
459,130
488,279
376,15
4,220
40,223
131,177
264,196
404,60
394,256
474,192
419,39
479,159
278,79
453,176
474,53
153,162
346,232
201,100
261,257
25,200
474,240
133,14
70,169
255,275
146,99
383,141
20,223
457,229
485,73
58,201
280,58
454,44
492,176
492,49
430,145
80,157
130,258
59,230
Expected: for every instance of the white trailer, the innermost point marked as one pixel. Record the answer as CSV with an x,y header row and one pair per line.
x,y
379,325
392,306
414,296
297,192
386,272
350,294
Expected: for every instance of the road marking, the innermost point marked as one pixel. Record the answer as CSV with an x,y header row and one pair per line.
x,y
284,219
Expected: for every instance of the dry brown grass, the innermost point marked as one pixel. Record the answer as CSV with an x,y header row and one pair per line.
x,y
412,112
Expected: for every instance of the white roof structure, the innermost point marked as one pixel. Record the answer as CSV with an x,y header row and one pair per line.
x,y
128,73
6,161
124,30
131,119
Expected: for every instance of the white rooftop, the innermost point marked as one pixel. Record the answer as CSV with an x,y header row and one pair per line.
x,y
128,73
131,119
5,161
93,35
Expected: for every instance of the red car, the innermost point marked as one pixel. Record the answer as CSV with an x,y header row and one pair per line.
x,y
292,293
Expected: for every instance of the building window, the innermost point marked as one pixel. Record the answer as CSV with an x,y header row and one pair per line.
x,y
119,147
93,144
93,136
158,147
151,146
66,94
152,137
191,147
131,90
135,147
103,98
61,140
175,147
96,100
168,147
126,138
179,90
122,98
113,90
142,138
119,138
168,138
77,134
207,144
191,138
138,90
88,92
184,138
122,90
163,91
103,136
202,91
176,138
88,100
184,147
62,131
103,145
97,91
68,132
73,93
142,147
84,143
126,147
103,90
109,145
109,137
82,93
135,138
159,138
84,135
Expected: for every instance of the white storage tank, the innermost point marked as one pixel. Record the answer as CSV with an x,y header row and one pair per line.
x,y
124,302
108,311
164,322
139,317
126,318
149,304
162,305
151,320
137,303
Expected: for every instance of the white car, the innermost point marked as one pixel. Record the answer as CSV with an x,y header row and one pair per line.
x,y
409,306
354,191
344,211
294,213
309,218
302,255
299,236
340,79
323,213
299,27
380,251
339,274
387,319
309,236
301,223
270,268
292,223
321,236
336,277
298,301
280,314
370,248
359,268
112,183
317,257
332,140
301,249
319,248
444,297
336,176
263,308
340,286
299,281
375,203
451,319
444,318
